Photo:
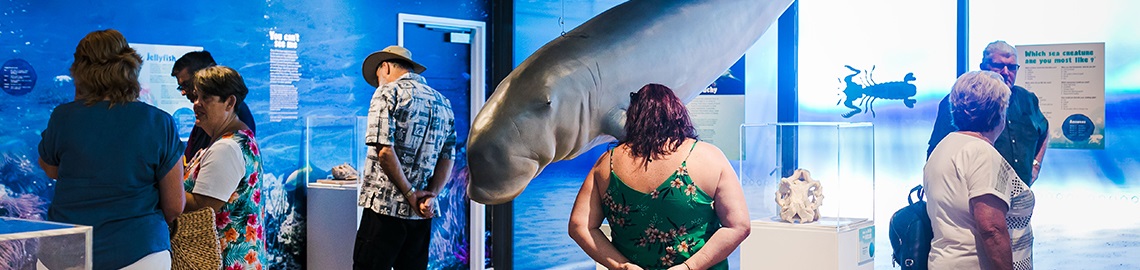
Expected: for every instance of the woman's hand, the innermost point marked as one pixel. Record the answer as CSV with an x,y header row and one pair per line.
x,y
680,267
630,266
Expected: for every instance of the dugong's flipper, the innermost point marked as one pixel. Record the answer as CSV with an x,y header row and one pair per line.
x,y
571,94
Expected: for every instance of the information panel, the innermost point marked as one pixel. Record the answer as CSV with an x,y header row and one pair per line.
x,y
718,111
159,88
1069,81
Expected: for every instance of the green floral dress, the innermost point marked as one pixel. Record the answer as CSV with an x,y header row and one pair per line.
x,y
663,228
240,221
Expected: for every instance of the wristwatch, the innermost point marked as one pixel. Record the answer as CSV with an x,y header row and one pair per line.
x,y
409,192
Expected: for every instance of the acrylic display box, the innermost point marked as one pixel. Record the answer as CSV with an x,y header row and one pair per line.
x,y
840,156
332,141
333,216
35,244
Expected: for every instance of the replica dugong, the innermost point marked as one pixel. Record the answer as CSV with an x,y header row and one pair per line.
x,y
571,94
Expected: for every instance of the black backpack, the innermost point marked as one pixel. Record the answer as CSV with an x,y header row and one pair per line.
x,y
910,233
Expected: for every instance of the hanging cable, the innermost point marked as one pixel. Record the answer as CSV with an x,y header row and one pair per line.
x,y
562,19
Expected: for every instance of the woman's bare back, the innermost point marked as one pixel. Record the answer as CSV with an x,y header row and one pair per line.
x,y
705,165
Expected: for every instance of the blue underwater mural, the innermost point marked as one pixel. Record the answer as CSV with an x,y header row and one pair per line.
x,y
332,38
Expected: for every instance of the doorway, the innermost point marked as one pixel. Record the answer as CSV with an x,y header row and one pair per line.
x,y
453,51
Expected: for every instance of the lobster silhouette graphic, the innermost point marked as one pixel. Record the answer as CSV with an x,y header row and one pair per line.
x,y
869,91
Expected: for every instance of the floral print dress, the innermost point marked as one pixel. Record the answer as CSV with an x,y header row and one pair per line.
x,y
240,221
663,228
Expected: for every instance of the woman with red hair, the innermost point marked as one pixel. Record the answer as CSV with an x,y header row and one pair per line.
x,y
663,213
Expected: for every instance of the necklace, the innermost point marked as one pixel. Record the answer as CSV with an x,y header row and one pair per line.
x,y
229,126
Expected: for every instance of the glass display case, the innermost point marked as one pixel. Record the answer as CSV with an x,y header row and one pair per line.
x,y
36,244
332,141
810,188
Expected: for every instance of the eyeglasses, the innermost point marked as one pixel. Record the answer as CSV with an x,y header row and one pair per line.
x,y
188,87
1000,66
187,90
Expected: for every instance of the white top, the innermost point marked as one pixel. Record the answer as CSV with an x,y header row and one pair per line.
x,y
223,166
962,167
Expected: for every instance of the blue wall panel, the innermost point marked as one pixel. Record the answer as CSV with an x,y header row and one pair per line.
x,y
336,36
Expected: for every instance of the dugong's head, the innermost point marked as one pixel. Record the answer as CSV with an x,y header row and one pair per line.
x,y
535,116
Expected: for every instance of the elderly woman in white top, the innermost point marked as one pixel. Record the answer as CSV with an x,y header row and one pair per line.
x,y
979,208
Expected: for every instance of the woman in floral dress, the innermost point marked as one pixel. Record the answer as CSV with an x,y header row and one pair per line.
x,y
225,175
672,202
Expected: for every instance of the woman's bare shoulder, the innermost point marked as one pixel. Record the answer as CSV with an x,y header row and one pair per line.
x,y
601,169
708,150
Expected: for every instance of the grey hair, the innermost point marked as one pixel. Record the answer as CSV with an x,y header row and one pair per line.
x,y
998,48
978,100
400,63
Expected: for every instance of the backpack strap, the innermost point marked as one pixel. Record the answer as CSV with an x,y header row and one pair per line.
x,y
917,190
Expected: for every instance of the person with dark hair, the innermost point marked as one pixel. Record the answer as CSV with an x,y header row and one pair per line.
x,y
225,175
411,149
115,159
663,213
978,206
183,70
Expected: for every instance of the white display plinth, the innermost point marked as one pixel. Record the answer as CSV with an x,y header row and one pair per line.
x,y
779,245
38,244
605,230
332,222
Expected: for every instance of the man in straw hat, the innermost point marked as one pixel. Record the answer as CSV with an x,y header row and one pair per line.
x,y
411,143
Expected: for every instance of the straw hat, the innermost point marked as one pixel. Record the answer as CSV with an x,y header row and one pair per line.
x,y
391,52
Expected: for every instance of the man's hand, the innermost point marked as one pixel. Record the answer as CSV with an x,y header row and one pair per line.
x,y
1036,171
412,197
425,203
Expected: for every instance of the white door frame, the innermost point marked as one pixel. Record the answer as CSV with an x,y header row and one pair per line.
x,y
477,216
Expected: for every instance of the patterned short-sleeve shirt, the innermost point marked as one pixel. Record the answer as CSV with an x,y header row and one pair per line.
x,y
1021,203
240,222
417,122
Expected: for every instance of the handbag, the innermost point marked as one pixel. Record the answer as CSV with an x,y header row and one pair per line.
x,y
194,245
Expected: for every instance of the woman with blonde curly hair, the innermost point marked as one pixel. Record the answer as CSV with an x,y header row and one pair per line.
x,y
115,159
979,208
